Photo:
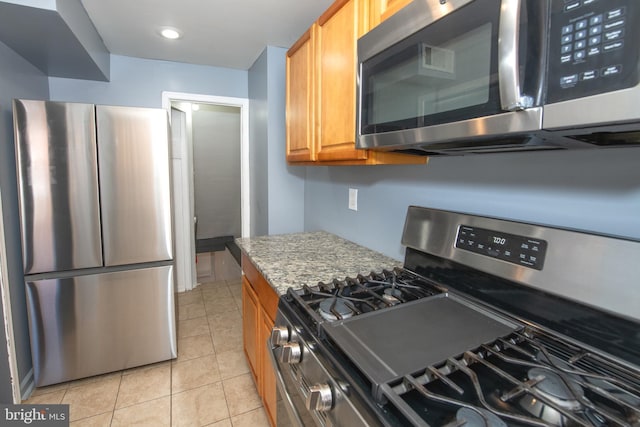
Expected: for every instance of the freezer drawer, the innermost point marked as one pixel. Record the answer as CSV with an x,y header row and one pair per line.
x,y
88,325
57,185
135,185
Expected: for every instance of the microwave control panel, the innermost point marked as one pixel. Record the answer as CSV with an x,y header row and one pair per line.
x,y
525,251
593,47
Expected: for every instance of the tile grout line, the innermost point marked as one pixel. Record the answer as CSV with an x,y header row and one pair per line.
x,y
113,411
226,402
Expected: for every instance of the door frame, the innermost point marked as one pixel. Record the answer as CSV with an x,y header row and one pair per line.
x,y
5,296
188,281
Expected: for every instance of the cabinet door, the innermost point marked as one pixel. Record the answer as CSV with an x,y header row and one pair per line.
x,y
381,10
268,376
335,40
250,325
299,99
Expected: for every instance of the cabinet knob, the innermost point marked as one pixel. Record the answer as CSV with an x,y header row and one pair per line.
x,y
319,398
279,336
291,353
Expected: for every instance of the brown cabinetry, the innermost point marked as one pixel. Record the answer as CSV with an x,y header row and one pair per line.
x,y
250,316
321,91
382,9
299,100
337,31
259,306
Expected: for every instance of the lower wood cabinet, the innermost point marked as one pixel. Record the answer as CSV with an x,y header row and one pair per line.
x,y
259,306
250,318
268,375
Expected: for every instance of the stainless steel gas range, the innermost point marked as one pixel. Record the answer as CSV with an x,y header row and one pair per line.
x,y
489,323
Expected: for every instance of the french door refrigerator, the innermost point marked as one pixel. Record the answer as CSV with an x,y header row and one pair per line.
x,y
95,213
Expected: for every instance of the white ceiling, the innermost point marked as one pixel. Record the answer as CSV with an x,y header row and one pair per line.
x,y
224,33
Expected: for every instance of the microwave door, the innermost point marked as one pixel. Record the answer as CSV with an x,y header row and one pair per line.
x,y
463,75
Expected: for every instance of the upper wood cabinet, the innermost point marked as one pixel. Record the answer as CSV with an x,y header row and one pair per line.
x,y
299,100
321,91
336,34
382,9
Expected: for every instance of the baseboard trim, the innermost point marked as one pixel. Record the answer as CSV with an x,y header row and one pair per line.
x,y
27,385
213,244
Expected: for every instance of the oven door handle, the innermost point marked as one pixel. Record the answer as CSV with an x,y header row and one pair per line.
x,y
294,416
511,98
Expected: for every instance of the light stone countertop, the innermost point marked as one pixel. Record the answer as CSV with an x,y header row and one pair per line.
x,y
293,260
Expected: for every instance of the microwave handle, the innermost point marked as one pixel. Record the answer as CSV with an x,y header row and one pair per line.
x,y
511,98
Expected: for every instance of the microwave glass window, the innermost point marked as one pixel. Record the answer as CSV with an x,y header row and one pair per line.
x,y
462,85
445,72
426,79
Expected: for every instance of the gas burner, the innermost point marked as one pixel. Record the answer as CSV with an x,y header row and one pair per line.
x,y
563,391
478,418
335,309
342,299
392,296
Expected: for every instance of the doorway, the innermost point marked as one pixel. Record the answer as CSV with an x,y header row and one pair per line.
x,y
216,175
208,218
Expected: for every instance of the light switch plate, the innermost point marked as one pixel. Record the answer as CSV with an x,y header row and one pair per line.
x,y
353,199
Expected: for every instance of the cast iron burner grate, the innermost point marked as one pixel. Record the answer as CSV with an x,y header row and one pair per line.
x,y
342,299
526,378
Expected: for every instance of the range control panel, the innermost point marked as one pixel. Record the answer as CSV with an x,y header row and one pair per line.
x,y
593,47
526,251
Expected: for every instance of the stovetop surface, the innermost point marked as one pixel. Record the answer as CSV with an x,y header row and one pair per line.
x,y
388,344
428,355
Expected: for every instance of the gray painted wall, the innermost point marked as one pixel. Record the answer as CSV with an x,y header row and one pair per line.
x,y
286,183
18,79
596,191
140,82
277,188
216,171
258,148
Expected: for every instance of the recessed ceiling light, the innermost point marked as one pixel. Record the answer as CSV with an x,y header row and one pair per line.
x,y
170,33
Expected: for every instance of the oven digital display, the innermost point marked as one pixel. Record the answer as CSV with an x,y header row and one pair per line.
x,y
521,250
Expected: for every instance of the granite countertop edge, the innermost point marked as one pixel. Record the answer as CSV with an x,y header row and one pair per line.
x,y
297,259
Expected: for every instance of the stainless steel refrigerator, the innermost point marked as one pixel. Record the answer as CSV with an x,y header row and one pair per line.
x,y
95,210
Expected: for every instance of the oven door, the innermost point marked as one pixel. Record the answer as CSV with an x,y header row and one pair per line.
x,y
474,70
290,403
299,383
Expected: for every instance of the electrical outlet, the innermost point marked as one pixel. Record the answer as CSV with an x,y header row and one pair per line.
x,y
353,199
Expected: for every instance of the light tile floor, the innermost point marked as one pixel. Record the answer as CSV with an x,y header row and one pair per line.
x,y
209,384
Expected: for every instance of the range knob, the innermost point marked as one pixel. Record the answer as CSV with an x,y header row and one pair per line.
x,y
291,353
319,398
279,335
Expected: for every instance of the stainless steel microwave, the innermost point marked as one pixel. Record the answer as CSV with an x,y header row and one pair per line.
x,y
447,76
